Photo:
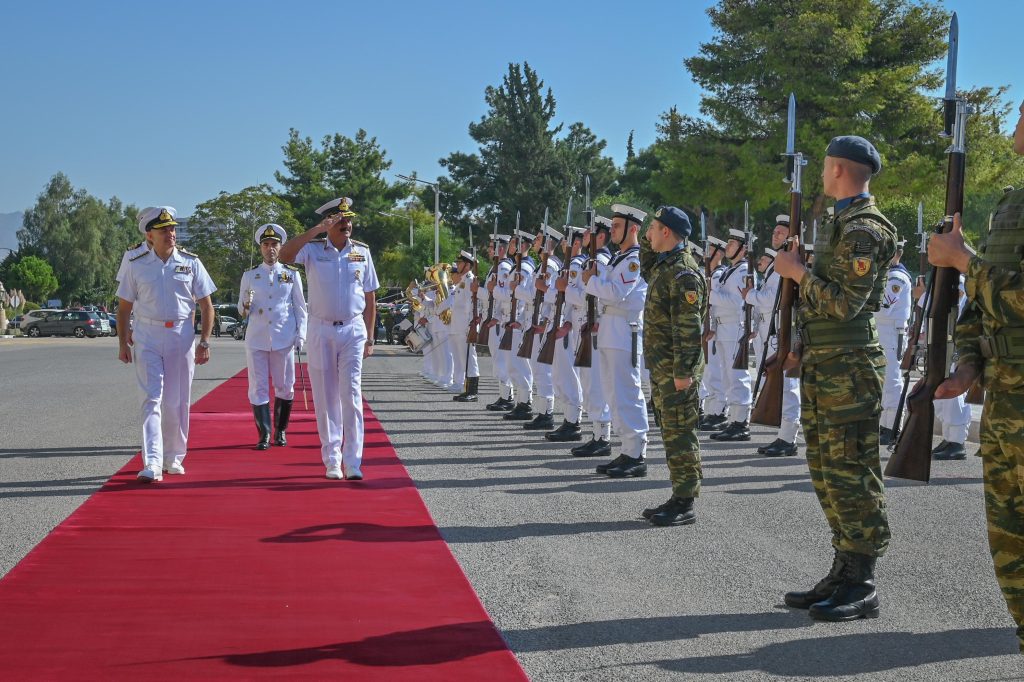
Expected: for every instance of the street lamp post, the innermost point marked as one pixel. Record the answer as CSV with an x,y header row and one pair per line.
x,y
395,215
437,213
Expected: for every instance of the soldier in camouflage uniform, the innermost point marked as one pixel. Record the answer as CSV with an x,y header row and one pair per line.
x,y
673,313
841,382
990,344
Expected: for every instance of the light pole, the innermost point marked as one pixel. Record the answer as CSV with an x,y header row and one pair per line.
x,y
395,215
437,213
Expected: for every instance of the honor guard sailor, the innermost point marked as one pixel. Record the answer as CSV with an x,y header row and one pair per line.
x,y
497,279
712,385
620,290
543,279
892,318
271,299
342,310
517,285
160,286
565,375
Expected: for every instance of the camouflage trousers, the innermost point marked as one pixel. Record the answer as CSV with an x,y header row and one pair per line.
x,y
840,406
1002,452
676,413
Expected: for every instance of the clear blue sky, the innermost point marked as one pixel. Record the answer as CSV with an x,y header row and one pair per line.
x,y
174,102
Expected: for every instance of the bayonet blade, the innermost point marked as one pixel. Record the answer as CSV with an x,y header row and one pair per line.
x,y
791,125
746,216
568,212
517,223
951,57
920,217
703,228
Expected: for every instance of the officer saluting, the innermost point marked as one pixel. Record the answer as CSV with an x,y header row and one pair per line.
x,y
342,308
270,296
162,285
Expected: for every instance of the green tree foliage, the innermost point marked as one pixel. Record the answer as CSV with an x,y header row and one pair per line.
x,y
34,276
523,162
221,232
397,265
342,166
80,236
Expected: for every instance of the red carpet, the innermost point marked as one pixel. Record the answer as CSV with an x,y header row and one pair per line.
x,y
251,565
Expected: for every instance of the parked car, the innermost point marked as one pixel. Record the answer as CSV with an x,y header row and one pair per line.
x,y
112,319
226,323
78,323
237,330
36,315
15,322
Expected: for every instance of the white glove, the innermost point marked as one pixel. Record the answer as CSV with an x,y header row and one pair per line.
x,y
298,344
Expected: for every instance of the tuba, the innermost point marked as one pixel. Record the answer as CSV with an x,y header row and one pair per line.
x,y
415,304
438,275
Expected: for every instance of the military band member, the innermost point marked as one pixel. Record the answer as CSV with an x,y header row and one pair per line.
x,y
161,286
520,282
440,350
841,379
342,309
271,297
727,306
565,375
712,385
673,325
467,367
990,347
595,399
620,290
496,279
892,318
764,298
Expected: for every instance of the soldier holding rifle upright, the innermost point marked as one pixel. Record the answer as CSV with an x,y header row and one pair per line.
x,y
841,380
990,346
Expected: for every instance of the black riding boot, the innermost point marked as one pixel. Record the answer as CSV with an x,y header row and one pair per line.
x,y
262,415
282,413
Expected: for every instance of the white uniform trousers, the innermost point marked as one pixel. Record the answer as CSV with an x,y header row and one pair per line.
x,y
499,363
463,367
892,385
164,361
738,391
790,426
519,370
542,378
713,386
335,356
566,378
955,416
264,365
447,359
625,399
595,401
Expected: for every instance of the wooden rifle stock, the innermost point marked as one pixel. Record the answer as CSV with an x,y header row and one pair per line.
x,y
588,339
526,347
485,328
513,313
742,358
546,356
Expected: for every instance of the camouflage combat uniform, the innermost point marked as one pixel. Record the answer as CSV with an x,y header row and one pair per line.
x,y
673,323
990,337
842,370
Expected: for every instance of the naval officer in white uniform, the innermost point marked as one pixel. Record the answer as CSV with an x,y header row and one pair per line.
x,y
342,308
270,296
162,285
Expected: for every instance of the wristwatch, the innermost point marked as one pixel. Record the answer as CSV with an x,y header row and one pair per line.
x,y
204,344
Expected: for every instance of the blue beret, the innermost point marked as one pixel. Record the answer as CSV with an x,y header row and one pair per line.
x,y
855,148
674,219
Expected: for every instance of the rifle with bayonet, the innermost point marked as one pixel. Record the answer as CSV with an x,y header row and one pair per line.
x,y
485,328
914,348
513,313
742,358
768,408
588,338
474,319
526,347
546,356
912,458
707,276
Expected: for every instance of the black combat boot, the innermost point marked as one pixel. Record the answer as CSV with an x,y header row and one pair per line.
x,y
823,590
521,412
780,448
603,468
711,422
261,413
678,512
282,413
735,431
951,451
568,431
937,450
500,405
886,436
469,395
629,467
540,422
595,448
651,511
855,597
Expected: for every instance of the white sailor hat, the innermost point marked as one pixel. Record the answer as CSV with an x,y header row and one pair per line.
x,y
342,205
716,242
602,222
467,256
782,219
553,233
740,235
501,238
695,249
628,212
270,231
523,234
901,243
771,253
809,248
571,232
156,218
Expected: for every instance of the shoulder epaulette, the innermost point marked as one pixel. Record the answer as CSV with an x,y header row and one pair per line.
x,y
135,246
319,240
291,266
133,258
359,243
187,253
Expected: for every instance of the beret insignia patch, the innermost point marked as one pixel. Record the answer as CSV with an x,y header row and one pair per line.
x,y
861,266
634,266
691,297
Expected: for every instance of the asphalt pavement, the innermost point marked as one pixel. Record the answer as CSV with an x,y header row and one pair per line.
x,y
581,587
